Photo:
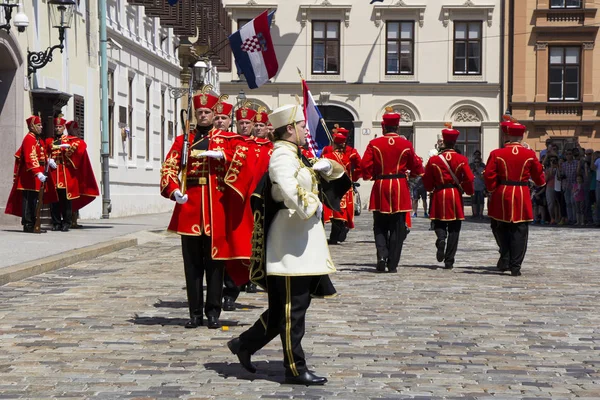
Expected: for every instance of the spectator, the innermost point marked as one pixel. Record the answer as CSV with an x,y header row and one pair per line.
x,y
589,177
596,167
538,200
579,198
559,184
477,200
545,151
551,192
417,191
569,170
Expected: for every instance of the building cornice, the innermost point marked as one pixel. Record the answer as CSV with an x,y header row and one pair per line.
x,y
468,5
250,5
400,5
325,5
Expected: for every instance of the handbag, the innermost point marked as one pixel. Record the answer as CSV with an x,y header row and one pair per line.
x,y
456,181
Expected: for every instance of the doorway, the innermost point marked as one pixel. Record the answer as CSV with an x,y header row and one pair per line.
x,y
338,115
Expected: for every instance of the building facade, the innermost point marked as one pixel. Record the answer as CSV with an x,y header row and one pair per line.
x,y
553,85
433,61
143,65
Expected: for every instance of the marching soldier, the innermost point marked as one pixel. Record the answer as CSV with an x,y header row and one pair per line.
x,y
448,175
29,174
208,214
387,161
73,175
507,174
296,229
342,221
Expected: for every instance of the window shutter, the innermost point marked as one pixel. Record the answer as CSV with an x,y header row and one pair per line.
x,y
79,117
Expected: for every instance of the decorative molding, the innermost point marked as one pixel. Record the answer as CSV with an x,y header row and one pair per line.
x,y
541,45
468,5
249,6
399,6
588,45
325,5
466,114
405,115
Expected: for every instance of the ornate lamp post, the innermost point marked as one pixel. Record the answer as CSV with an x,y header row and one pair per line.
x,y
21,21
199,72
61,12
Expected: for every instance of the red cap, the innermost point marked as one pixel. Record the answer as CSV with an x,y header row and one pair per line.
x,y
245,112
72,125
60,121
390,118
261,115
449,134
516,129
340,130
507,121
33,120
339,138
205,100
223,108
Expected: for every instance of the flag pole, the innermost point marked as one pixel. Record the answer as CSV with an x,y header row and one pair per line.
x,y
321,120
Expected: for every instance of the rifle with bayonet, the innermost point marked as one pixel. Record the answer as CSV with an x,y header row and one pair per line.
x,y
185,117
37,228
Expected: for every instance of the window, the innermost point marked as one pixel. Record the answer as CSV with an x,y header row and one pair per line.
x,y
467,48
565,4
162,125
242,21
407,132
79,108
400,48
326,47
148,133
468,141
111,114
130,120
564,74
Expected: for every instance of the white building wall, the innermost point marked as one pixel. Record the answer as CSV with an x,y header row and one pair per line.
x,y
427,99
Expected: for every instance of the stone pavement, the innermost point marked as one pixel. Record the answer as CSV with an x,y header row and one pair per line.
x,y
111,328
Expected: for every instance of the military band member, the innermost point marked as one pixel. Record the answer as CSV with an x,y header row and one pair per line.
x,y
507,174
29,173
447,211
297,257
342,221
207,214
387,160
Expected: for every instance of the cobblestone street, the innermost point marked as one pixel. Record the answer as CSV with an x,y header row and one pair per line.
x,y
112,327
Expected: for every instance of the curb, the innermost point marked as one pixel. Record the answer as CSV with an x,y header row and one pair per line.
x,y
30,268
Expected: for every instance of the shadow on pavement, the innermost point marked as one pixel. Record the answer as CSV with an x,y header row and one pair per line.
x,y
162,321
170,304
422,266
269,371
482,270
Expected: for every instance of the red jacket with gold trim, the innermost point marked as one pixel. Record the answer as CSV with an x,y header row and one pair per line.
x,y
507,174
30,159
387,160
73,171
350,159
446,201
214,208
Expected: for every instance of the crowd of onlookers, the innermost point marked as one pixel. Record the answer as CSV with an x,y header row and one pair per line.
x,y
571,195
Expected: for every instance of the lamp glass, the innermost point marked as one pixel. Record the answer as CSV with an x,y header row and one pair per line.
x,y
241,95
200,69
61,13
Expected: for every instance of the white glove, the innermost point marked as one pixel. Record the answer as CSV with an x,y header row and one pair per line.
x,y
41,177
217,155
323,166
64,145
180,198
51,163
320,211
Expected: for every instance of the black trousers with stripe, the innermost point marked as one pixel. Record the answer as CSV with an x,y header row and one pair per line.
x,y
289,298
512,242
197,261
390,233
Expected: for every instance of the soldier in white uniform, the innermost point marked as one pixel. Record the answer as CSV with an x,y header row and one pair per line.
x,y
297,255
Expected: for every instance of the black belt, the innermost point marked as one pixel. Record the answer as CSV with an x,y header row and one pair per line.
x,y
392,176
281,206
446,186
514,183
201,181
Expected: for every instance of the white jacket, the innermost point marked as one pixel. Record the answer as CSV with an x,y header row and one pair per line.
x,y
296,243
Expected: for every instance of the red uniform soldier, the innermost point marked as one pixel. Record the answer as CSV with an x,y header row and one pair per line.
x,y
447,175
387,161
342,221
72,175
30,162
209,214
264,146
507,174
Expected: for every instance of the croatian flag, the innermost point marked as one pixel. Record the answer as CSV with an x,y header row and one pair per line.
x,y
318,134
253,50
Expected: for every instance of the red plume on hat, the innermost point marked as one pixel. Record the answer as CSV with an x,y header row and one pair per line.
x,y
449,134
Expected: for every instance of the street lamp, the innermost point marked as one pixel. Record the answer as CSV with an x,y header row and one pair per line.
x,y
61,13
241,97
198,73
21,21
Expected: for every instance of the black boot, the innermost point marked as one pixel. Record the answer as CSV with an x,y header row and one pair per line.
x,y
307,378
243,355
381,263
250,287
228,304
194,322
213,322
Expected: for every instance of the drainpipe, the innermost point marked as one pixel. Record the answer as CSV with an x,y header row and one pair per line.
x,y
502,56
511,51
104,151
